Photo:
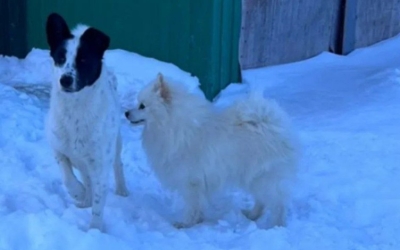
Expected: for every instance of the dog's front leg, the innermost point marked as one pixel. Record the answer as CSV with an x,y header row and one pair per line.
x,y
195,202
74,187
99,177
87,181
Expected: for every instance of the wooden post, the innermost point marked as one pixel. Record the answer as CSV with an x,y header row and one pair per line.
x,y
349,29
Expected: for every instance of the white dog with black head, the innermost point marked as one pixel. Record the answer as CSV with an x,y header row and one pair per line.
x,y
83,124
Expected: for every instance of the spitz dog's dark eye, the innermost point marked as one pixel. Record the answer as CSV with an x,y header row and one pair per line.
x,y
141,106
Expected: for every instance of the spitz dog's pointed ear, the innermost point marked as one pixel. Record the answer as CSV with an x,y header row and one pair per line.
x,y
57,31
162,88
160,77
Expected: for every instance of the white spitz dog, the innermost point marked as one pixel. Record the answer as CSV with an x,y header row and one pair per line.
x,y
197,149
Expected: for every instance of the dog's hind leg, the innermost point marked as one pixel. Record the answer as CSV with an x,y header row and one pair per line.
x,y
74,187
269,197
119,171
255,212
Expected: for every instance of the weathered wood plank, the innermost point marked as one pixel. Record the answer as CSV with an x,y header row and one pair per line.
x,y
276,32
376,20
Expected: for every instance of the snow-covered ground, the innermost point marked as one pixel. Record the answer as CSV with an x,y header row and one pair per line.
x,y
346,110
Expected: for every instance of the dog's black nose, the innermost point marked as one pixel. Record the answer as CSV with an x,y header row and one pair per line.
x,y
66,81
127,114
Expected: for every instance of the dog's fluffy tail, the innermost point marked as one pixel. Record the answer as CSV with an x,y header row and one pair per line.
x,y
264,117
256,111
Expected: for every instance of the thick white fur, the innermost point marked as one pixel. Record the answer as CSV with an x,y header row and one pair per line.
x,y
196,149
83,129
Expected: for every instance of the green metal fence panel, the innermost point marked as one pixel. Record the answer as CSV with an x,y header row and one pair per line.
x,y
199,36
13,27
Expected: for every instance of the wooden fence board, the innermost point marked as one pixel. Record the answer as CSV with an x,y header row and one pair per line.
x,y
276,32
376,20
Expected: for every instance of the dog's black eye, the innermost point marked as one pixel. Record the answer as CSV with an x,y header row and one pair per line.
x,y
141,106
59,56
61,60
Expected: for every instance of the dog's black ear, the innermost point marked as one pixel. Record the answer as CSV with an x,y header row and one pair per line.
x,y
57,30
96,40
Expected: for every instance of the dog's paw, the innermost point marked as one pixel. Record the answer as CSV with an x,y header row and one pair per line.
x,y
76,190
248,214
252,214
181,225
96,224
188,223
122,192
85,203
